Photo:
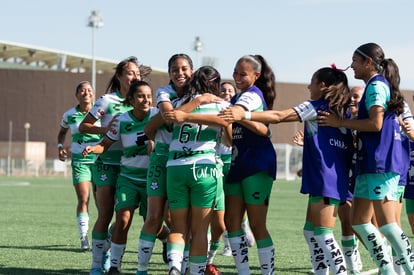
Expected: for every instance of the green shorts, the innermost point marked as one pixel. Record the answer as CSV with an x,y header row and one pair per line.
x,y
191,186
219,204
409,206
254,190
377,186
82,172
327,201
400,194
156,177
131,193
105,174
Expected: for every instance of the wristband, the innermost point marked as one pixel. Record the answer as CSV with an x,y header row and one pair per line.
x,y
247,115
60,145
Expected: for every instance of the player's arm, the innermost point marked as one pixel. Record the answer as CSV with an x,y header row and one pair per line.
x,y
98,148
179,116
62,153
152,126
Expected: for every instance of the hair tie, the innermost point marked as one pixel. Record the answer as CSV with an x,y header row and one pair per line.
x,y
333,66
213,78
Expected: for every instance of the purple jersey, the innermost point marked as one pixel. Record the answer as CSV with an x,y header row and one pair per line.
x,y
251,153
379,152
409,188
327,154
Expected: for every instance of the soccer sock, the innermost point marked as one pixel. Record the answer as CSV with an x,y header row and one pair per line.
x,y
225,238
117,251
401,244
145,246
350,249
266,251
212,251
175,255
197,265
308,235
326,240
317,258
83,223
374,243
238,244
98,244
186,255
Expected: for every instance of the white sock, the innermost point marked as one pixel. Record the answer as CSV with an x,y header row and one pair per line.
x,y
97,251
240,252
267,260
350,250
316,255
186,256
83,224
145,248
332,250
226,239
196,268
117,251
175,258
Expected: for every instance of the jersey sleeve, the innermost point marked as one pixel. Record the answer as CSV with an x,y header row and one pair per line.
x,y
377,94
250,101
64,121
99,108
114,134
306,111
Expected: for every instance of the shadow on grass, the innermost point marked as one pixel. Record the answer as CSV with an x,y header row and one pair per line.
x,y
43,247
24,271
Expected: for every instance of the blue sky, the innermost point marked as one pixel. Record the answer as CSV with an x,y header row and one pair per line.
x,y
295,36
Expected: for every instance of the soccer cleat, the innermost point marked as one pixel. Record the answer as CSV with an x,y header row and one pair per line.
x,y
227,251
95,271
174,271
164,252
113,271
212,270
84,243
106,260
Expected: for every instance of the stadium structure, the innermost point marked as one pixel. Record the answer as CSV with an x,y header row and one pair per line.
x,y
38,86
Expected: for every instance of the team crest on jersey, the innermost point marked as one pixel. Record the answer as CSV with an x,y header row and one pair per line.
x,y
103,177
154,185
101,112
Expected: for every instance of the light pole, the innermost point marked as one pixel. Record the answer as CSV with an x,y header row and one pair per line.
x,y
27,128
198,47
95,21
9,154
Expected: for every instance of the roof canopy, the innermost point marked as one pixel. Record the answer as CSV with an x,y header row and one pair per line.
x,y
43,58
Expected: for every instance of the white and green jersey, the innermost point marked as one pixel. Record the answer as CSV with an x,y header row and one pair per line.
x,y
194,143
105,108
71,119
129,131
163,135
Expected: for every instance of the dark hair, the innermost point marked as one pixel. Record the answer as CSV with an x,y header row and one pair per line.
x,y
77,90
205,80
174,58
266,81
177,56
114,84
135,84
229,83
336,90
389,69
